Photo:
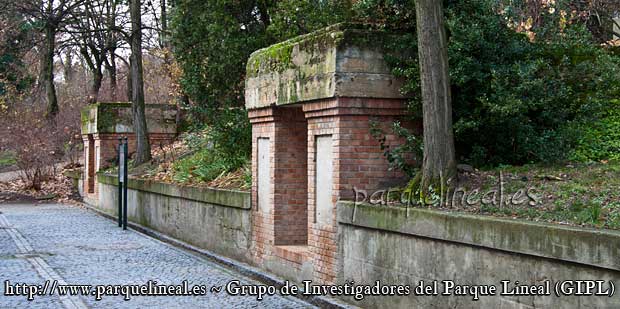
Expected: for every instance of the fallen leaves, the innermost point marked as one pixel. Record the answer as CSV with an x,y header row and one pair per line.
x,y
57,188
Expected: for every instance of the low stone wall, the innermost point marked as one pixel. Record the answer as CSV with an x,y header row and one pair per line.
x,y
215,220
396,246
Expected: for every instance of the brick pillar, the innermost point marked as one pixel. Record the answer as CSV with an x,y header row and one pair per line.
x,y
89,164
358,161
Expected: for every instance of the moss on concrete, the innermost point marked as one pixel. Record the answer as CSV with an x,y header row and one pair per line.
x,y
74,173
117,117
580,245
343,60
278,57
229,198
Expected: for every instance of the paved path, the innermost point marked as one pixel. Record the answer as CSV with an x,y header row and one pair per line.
x,y
70,245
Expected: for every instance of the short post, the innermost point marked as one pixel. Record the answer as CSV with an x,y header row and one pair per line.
x,y
121,163
125,151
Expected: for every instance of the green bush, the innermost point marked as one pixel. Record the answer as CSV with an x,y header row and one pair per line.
x,y
599,140
212,42
7,159
206,163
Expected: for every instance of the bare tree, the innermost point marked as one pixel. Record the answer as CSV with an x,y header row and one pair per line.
x,y
439,164
51,16
143,148
97,32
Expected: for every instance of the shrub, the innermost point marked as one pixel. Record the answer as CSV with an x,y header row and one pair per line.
x,y
599,140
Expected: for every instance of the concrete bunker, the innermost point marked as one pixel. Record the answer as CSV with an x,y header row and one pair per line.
x,y
311,101
104,123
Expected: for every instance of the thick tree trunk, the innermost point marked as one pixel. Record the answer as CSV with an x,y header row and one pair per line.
x,y
48,72
163,35
143,148
439,164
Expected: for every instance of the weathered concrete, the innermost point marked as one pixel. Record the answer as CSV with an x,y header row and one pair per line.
x,y
216,220
595,247
383,243
77,178
344,60
324,180
264,176
117,118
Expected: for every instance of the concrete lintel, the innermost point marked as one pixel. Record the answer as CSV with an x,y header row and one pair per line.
x,y
344,60
116,118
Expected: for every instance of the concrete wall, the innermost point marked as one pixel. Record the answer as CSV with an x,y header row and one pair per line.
x,y
216,220
385,243
394,245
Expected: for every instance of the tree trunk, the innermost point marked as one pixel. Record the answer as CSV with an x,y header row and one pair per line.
x,y
48,72
143,148
439,164
112,74
129,81
163,35
97,78
111,68
68,68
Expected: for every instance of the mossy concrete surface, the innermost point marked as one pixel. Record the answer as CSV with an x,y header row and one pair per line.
x,y
344,60
382,243
222,197
117,118
598,248
215,220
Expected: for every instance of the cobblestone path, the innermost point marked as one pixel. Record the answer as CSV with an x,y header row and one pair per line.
x,y
61,245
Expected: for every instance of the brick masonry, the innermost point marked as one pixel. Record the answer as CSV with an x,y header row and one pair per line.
x,y
289,232
101,151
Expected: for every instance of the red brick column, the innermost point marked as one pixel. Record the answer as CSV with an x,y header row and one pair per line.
x,y
358,162
89,164
263,126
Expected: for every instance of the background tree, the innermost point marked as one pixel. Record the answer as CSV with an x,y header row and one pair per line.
x,y
143,148
50,16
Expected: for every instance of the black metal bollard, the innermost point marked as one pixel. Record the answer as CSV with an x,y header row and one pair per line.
x,y
120,181
125,147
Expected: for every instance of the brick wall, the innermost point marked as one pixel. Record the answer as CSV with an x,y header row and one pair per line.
x,y
358,161
89,164
263,126
290,167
